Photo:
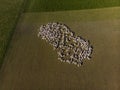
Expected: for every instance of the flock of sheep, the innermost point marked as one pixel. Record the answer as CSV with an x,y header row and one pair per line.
x,y
70,48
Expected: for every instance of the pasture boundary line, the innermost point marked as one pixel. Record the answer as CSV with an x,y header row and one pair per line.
x,y
21,10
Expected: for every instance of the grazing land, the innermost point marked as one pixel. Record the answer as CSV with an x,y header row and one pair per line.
x,y
9,14
61,5
31,63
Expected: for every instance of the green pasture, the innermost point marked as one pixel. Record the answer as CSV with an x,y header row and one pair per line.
x,y
32,64
10,13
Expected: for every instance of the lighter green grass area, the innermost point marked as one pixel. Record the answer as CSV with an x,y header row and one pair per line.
x,y
37,62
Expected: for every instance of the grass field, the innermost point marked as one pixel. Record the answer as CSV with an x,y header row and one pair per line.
x,y
31,64
9,13
61,5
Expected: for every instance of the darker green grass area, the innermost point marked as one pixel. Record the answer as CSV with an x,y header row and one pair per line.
x,y
60,5
9,15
